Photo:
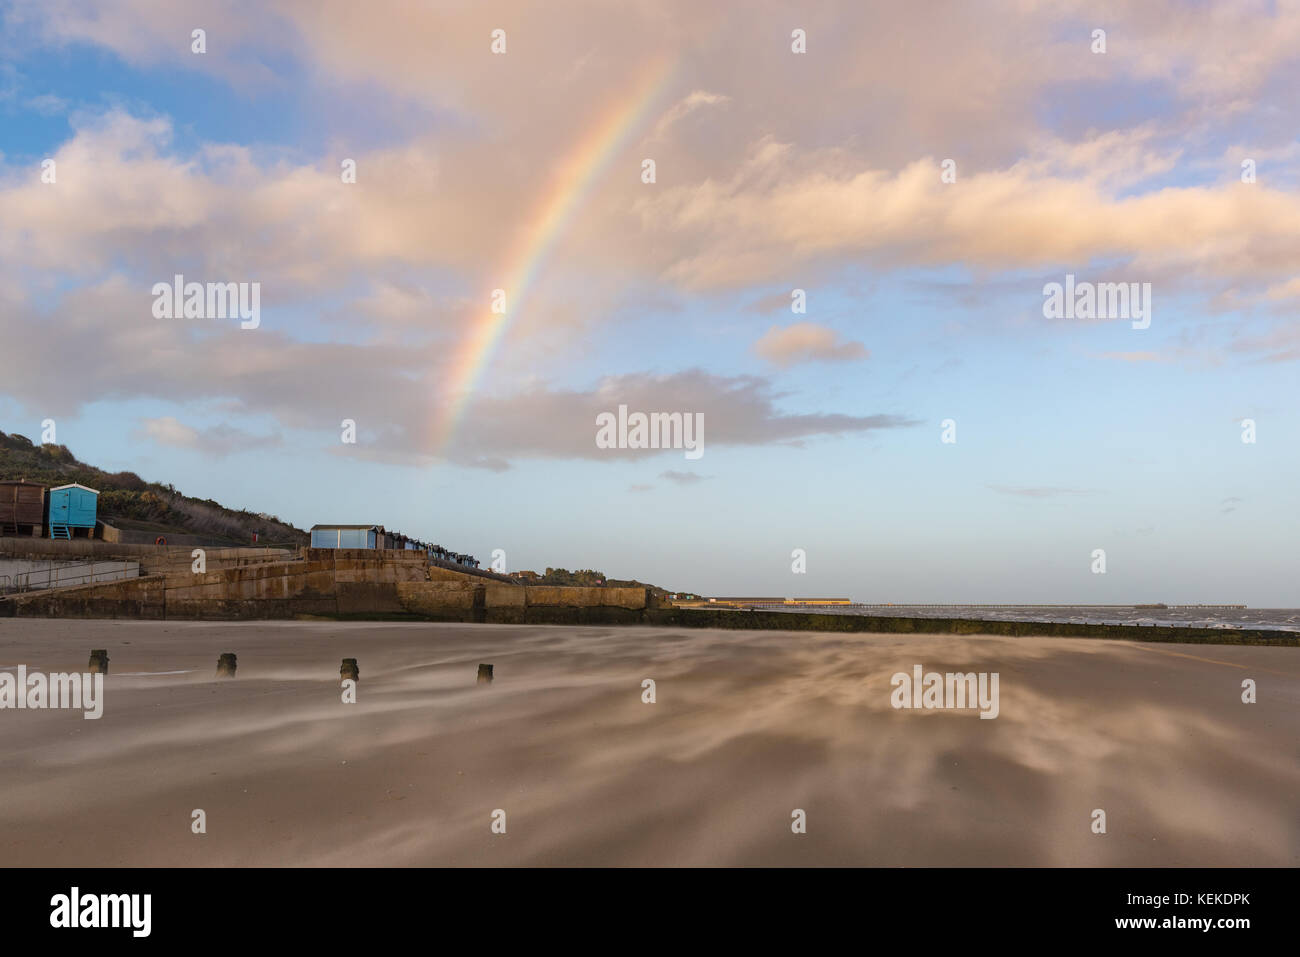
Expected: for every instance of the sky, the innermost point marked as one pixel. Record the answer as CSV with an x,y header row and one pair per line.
x,y
459,247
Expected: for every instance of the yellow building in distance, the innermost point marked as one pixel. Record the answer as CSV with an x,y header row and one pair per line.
x,y
730,602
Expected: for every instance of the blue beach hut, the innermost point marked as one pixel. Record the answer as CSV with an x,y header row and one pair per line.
x,y
72,506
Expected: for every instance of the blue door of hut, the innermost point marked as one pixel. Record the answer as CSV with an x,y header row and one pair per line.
x,y
72,506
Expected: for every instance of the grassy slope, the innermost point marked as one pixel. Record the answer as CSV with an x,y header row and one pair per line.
x,y
589,576
128,501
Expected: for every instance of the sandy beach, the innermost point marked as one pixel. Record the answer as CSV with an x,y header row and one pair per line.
x,y
746,728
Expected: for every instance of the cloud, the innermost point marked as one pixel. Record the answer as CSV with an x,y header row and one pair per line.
x,y
168,431
1280,344
773,302
218,441
740,204
754,186
546,422
15,94
123,353
683,478
764,187
47,104
243,35
785,207
979,76
1037,492
685,106
1133,356
806,342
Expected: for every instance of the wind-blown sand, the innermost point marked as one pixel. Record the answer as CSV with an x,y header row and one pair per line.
x,y
747,727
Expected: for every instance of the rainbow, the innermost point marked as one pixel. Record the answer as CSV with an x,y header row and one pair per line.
x,y
573,181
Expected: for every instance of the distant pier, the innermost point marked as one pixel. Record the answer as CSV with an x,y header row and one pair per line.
x,y
1065,605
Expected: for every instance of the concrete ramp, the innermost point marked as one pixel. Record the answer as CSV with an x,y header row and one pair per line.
x,y
21,575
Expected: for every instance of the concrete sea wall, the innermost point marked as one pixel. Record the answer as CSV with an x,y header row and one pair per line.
x,y
324,582
798,621
468,600
369,584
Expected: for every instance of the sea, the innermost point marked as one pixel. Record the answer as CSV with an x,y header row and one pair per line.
x,y
1187,616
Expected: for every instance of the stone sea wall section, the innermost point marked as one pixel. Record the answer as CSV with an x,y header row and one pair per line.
x,y
391,585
